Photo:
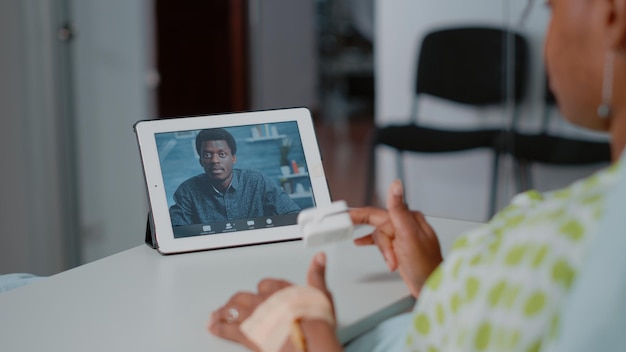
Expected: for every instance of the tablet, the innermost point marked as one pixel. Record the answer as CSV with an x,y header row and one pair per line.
x,y
230,180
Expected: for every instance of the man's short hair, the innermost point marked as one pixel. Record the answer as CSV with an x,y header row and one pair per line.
x,y
216,134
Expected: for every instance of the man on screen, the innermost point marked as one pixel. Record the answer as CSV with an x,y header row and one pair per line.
x,y
222,193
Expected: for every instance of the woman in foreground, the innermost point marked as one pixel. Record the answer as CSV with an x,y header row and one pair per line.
x,y
503,285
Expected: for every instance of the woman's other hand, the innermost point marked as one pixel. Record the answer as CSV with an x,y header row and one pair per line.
x,y
226,321
405,239
226,325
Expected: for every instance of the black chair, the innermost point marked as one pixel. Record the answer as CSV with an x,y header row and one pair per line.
x,y
466,65
546,148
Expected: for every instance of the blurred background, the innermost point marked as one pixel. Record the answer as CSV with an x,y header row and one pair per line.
x,y
75,75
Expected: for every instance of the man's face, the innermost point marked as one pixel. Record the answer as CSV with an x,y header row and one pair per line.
x,y
217,160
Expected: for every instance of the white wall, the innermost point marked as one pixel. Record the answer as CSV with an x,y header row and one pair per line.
x,y
112,93
283,54
31,227
109,72
454,185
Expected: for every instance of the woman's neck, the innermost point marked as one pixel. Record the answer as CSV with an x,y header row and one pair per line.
x,y
617,128
618,134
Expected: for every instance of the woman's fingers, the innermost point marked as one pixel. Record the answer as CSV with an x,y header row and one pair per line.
x,y
415,243
382,236
316,275
243,302
400,216
365,240
424,225
231,332
225,320
368,216
266,287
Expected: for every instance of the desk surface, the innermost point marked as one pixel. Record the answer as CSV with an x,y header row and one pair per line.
x,y
139,300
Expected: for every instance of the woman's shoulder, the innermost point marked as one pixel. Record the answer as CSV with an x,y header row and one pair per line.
x,y
564,218
600,181
517,268
587,192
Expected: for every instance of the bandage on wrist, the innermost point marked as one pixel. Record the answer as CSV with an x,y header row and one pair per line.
x,y
274,320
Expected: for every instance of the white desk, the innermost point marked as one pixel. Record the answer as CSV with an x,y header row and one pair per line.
x,y
138,300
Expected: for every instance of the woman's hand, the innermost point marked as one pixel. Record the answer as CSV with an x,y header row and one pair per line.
x,y
405,239
226,320
225,325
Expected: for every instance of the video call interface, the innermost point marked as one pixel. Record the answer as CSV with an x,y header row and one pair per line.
x,y
274,150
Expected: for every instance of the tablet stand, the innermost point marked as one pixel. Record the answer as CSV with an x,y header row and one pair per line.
x,y
150,235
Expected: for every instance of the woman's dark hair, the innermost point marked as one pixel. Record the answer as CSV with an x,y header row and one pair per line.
x,y
216,134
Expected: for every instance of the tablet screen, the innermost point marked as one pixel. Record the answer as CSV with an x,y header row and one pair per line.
x,y
234,179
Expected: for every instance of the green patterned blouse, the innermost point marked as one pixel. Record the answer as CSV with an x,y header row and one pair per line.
x,y
502,286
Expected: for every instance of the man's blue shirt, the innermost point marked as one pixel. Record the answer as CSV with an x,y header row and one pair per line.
x,y
251,194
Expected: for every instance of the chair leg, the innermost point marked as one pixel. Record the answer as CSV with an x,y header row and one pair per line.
x,y
493,196
518,175
522,175
370,181
529,176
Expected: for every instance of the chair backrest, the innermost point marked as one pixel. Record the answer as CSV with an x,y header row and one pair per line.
x,y
469,65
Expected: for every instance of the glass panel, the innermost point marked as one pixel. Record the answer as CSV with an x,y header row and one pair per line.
x,y
544,151
474,69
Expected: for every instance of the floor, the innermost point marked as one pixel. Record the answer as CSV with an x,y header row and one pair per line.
x,y
344,151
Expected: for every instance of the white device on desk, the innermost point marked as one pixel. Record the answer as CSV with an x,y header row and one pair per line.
x,y
326,224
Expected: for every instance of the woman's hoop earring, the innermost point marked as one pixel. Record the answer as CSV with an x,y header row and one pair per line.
x,y
604,109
